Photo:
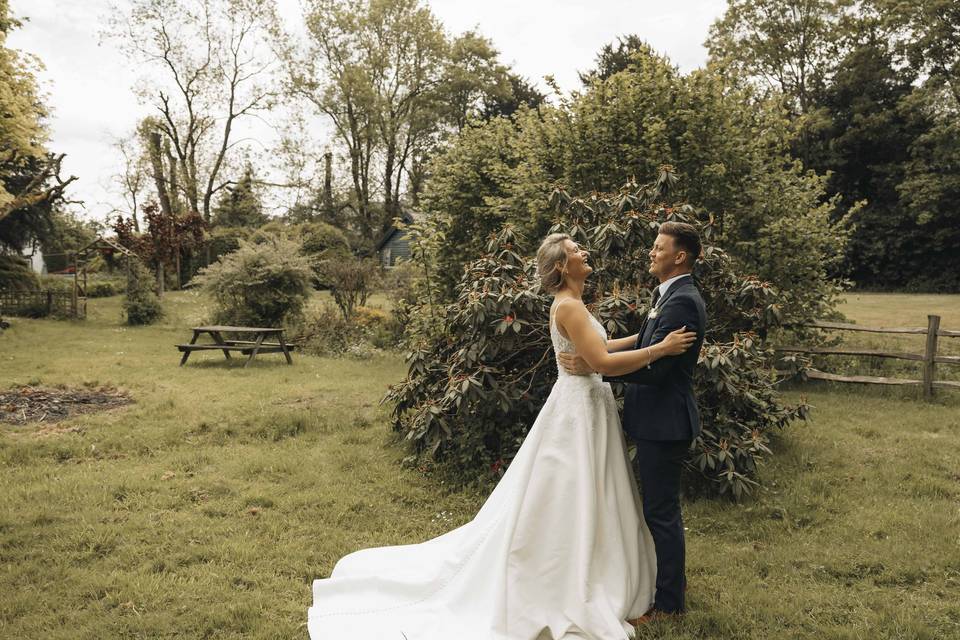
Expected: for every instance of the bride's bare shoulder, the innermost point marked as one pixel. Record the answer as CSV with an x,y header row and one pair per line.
x,y
566,304
567,308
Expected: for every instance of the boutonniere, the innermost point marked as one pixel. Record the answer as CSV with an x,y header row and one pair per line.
x,y
653,312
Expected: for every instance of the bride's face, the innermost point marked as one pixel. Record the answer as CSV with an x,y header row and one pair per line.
x,y
577,266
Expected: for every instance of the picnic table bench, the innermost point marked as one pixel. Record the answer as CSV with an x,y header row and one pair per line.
x,y
249,348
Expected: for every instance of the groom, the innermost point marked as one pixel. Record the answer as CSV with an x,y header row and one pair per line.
x,y
659,408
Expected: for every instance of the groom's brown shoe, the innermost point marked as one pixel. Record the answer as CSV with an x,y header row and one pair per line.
x,y
644,619
653,615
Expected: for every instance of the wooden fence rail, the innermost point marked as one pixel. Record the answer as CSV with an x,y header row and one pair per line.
x,y
929,358
43,303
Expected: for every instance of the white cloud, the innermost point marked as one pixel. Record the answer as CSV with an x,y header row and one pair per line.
x,y
90,84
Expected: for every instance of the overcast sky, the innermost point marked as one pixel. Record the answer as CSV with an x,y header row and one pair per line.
x,y
89,83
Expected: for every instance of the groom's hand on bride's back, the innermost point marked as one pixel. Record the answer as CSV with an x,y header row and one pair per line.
x,y
574,364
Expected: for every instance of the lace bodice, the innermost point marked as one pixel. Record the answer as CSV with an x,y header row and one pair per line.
x,y
565,345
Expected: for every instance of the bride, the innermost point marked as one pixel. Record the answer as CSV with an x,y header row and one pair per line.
x,y
558,550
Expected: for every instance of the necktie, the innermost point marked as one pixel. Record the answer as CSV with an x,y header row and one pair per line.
x,y
654,297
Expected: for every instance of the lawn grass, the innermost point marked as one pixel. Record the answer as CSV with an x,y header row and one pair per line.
x,y
902,309
205,509
897,310
856,533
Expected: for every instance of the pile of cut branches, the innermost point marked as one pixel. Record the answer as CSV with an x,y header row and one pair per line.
x,y
21,405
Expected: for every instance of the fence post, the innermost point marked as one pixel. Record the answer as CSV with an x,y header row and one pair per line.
x,y
929,365
49,302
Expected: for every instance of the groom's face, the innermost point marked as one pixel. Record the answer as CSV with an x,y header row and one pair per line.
x,y
665,257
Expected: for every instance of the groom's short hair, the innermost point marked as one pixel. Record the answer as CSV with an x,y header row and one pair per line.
x,y
686,237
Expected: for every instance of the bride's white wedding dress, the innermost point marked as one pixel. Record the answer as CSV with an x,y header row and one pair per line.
x,y
559,549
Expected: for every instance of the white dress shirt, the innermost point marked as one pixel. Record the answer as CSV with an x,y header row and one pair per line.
x,y
665,285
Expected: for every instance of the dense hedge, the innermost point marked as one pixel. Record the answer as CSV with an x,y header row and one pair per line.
x,y
264,284
482,366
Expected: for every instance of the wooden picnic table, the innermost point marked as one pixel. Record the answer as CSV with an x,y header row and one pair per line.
x,y
250,348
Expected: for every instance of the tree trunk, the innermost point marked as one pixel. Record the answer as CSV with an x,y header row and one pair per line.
x,y
156,161
328,212
160,279
136,221
389,206
179,282
174,187
396,188
365,188
417,176
357,186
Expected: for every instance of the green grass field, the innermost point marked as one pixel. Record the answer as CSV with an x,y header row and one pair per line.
x,y
205,509
897,310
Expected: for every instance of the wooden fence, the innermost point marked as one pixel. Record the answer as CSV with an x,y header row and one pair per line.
x,y
41,303
929,358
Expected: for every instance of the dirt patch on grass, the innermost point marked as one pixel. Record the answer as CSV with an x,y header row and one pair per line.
x,y
23,405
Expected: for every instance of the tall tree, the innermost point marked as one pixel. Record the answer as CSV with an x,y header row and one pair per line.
x,y
916,246
522,92
729,147
157,149
30,180
786,45
212,66
615,57
67,234
473,76
133,175
371,66
929,36
930,192
391,83
329,73
473,80
239,205
406,48
865,150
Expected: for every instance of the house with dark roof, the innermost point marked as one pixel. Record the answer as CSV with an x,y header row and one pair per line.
x,y
395,245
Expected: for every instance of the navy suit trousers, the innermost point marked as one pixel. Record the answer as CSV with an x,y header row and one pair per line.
x,y
659,463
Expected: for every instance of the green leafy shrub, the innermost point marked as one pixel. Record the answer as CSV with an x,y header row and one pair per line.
x,y
16,275
479,374
405,285
55,283
224,240
104,288
351,281
268,231
382,329
324,331
32,308
730,144
141,305
402,281
98,285
265,284
321,241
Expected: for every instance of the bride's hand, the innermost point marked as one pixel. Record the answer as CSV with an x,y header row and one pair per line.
x,y
676,342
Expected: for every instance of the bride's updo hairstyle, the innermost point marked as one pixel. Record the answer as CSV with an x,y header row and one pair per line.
x,y
550,253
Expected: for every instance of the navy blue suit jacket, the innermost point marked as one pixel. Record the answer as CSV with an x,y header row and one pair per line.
x,y
659,403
